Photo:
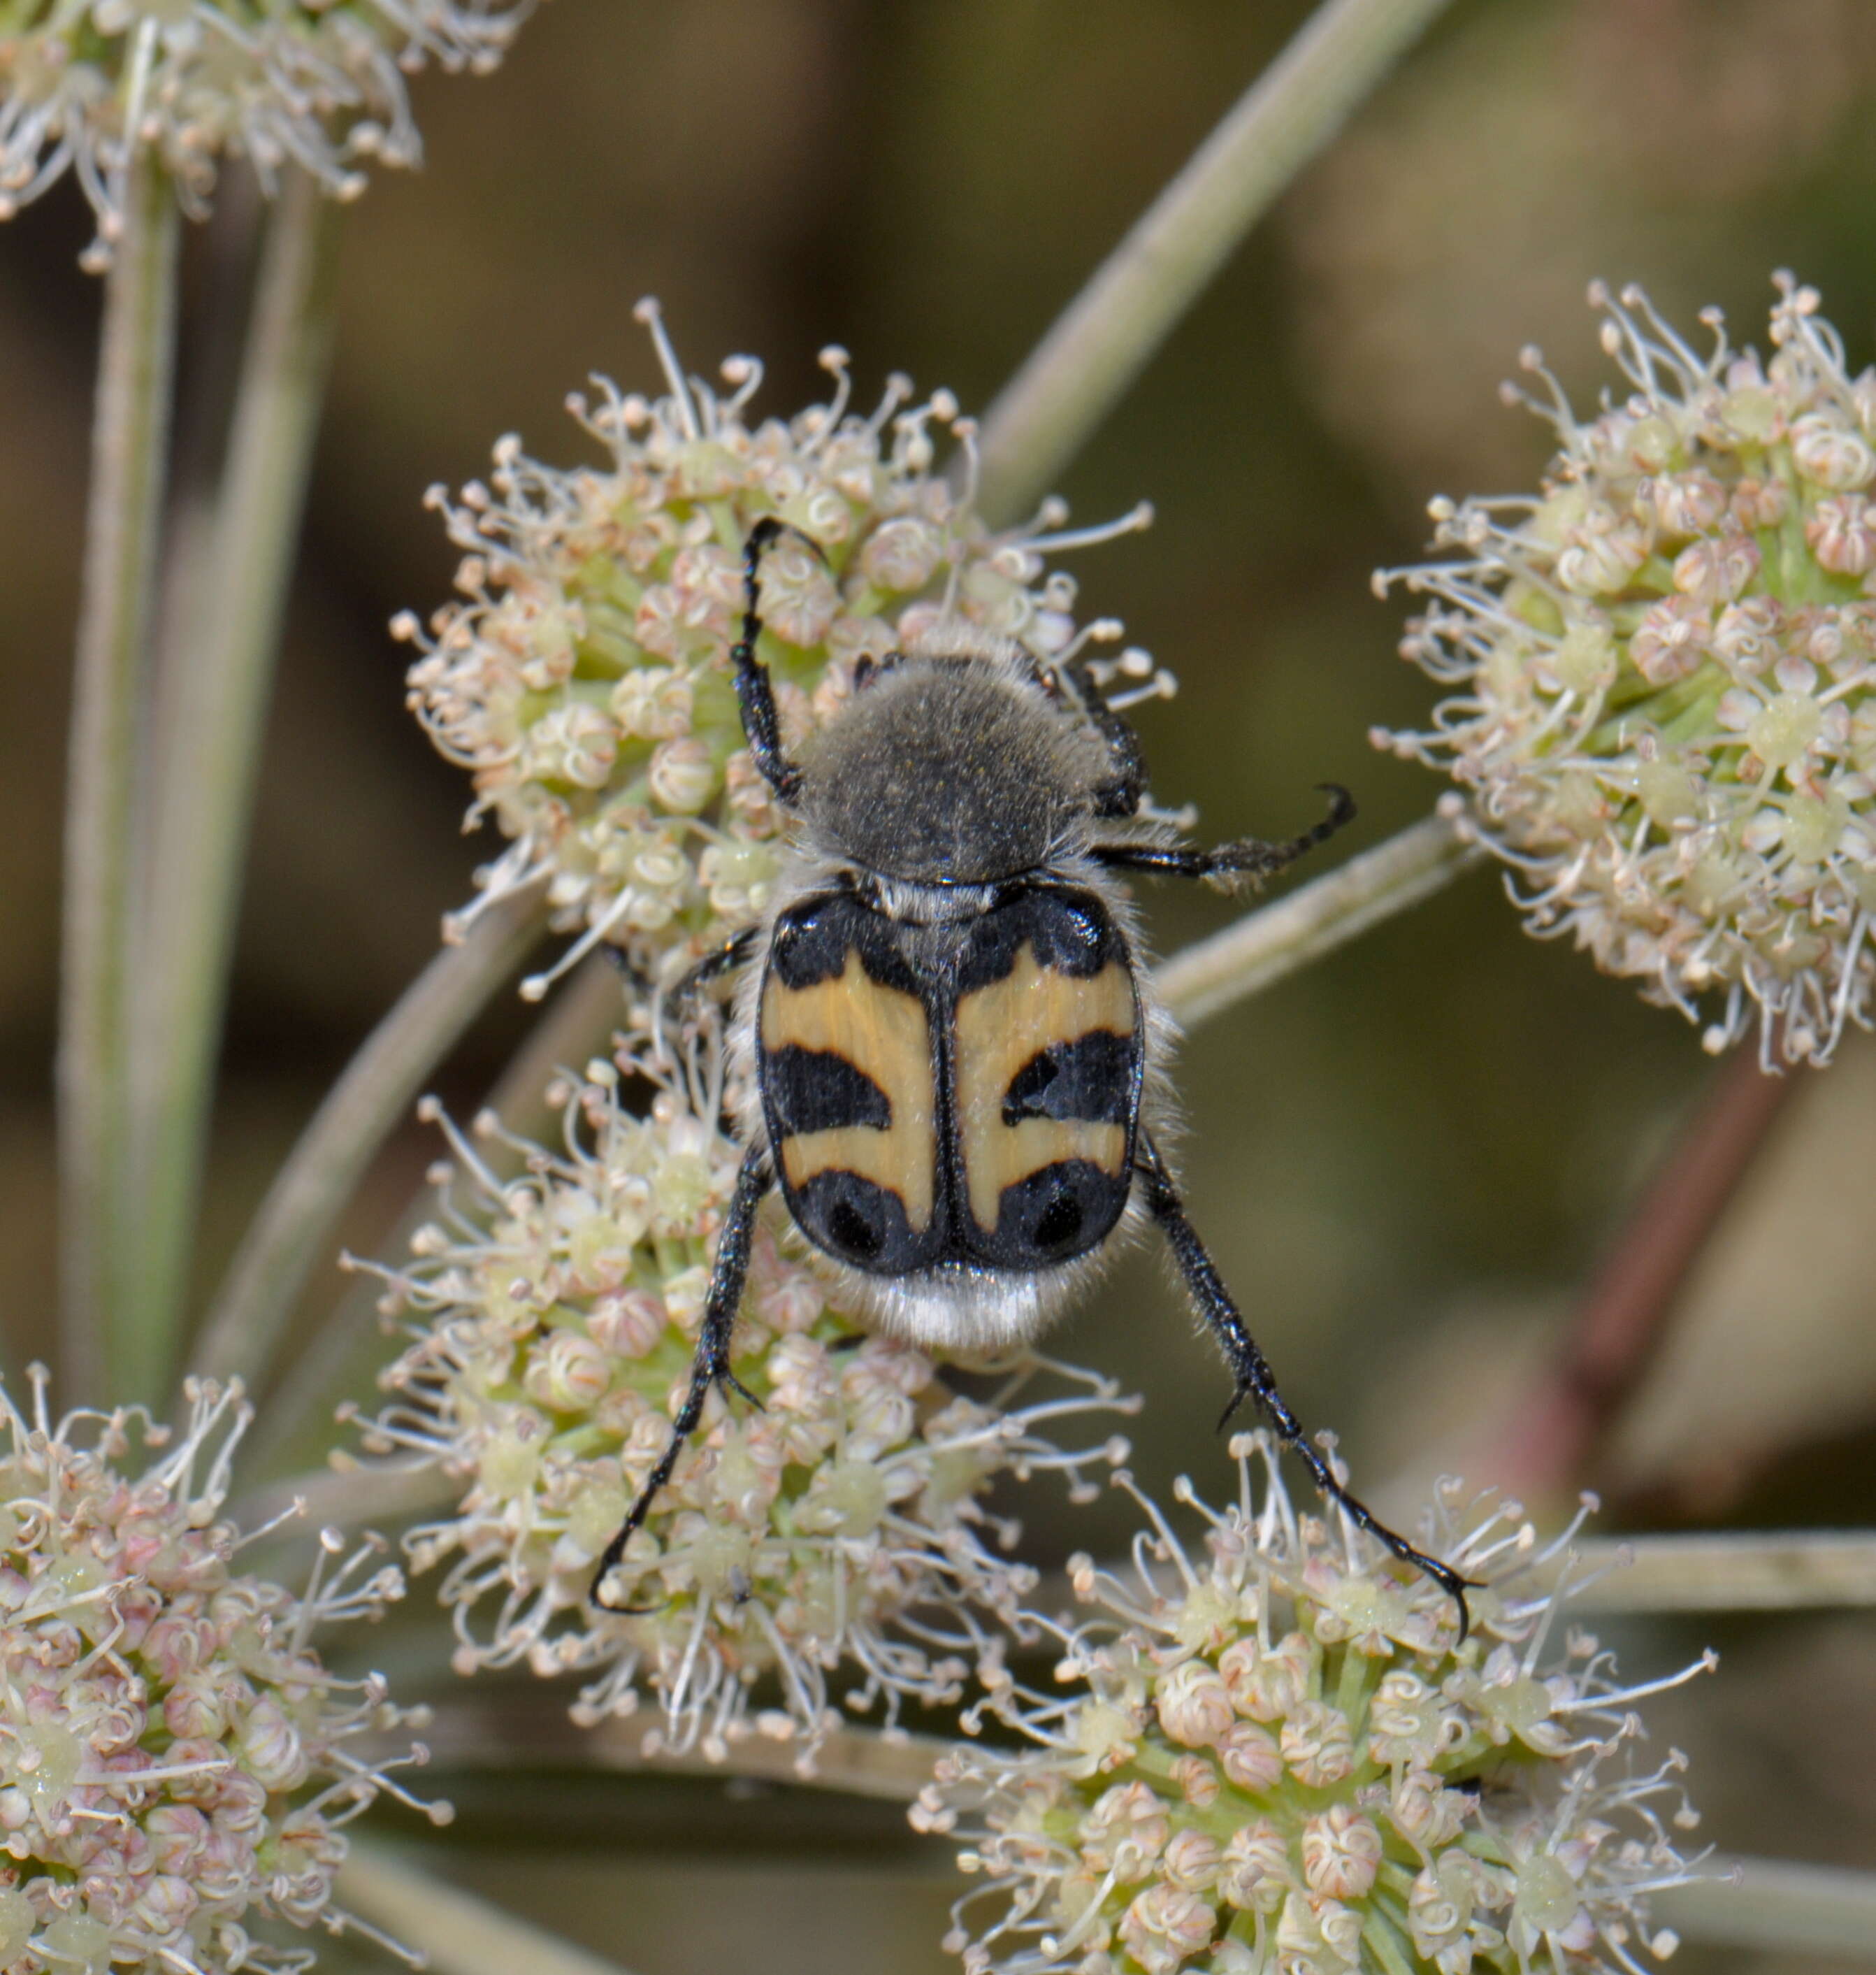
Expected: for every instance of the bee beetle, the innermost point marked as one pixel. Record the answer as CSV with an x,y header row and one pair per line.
x,y
953,1058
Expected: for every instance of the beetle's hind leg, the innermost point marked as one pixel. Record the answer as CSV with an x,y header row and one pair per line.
x,y
711,1364
1253,1378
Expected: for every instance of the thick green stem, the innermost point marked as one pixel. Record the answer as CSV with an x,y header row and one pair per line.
x,y
213,698
1277,940
1786,1570
122,525
1778,1903
1730,1570
1104,337
457,1933
244,1326
579,1022
518,1733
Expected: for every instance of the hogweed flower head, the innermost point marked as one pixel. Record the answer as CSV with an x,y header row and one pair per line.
x,y
85,84
583,677
176,1761
1274,1755
1665,723
837,1535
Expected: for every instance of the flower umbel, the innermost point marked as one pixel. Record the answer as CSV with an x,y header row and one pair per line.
x,y
840,1528
316,82
175,1765
1666,724
583,679
1273,1755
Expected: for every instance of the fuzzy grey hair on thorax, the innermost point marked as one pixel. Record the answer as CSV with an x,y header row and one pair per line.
x,y
952,765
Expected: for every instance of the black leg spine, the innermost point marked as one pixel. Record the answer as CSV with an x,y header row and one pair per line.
x,y
1253,1378
711,1364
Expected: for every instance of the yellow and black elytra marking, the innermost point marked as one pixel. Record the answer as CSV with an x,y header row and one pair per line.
x,y
965,1092
950,1036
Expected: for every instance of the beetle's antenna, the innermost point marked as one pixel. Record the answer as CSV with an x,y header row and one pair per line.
x,y
754,694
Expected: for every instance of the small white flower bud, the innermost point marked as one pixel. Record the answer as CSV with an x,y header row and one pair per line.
x,y
1193,1704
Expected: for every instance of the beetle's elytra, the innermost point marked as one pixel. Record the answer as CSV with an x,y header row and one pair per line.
x,y
962,1095
956,1068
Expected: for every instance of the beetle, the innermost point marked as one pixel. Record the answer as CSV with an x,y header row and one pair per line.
x,y
953,1056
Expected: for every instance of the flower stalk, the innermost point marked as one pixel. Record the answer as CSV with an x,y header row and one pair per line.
x,y
244,1326
342,1354
129,449
1777,1904
1100,343
1268,945
455,1933
213,708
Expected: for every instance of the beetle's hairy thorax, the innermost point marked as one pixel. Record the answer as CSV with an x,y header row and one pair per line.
x,y
948,770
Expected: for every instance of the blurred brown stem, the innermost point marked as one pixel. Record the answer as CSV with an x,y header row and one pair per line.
x,y
1553,1434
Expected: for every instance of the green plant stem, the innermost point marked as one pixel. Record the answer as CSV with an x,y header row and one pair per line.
x,y
213,698
1777,1904
520,1733
1104,337
1264,946
579,1022
1729,1571
458,1933
249,1315
129,444
1790,1570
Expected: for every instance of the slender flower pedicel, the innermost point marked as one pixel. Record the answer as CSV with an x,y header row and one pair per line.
x,y
838,1530
316,82
584,677
1666,659
175,1765
1273,1755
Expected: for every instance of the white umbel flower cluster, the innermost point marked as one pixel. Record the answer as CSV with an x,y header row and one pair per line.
x,y
1274,1754
834,1542
583,678
173,1760
85,84
1665,663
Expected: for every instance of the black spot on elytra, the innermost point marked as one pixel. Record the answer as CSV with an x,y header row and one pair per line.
x,y
819,1090
1091,1079
852,1234
1060,1222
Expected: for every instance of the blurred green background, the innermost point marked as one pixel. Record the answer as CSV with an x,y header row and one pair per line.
x,y
1408,1161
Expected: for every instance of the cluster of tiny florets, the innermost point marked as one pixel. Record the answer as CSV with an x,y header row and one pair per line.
x,y
1666,719
174,1768
584,677
315,83
559,1319
1276,1755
